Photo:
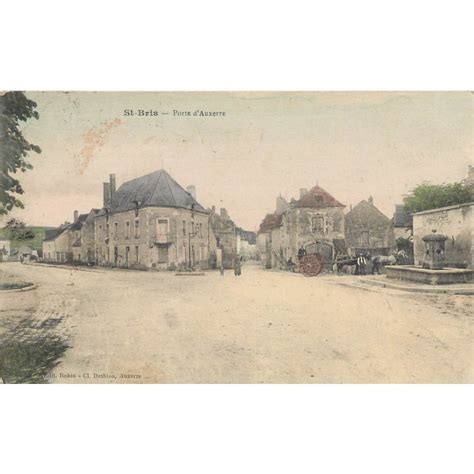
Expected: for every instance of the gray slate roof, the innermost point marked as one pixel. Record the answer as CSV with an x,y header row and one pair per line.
x,y
51,234
154,189
80,220
365,212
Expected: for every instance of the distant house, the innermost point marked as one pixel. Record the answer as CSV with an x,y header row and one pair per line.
x,y
268,240
368,230
246,243
82,232
223,239
57,245
456,223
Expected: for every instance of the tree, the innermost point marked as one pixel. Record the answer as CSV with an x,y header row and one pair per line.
x,y
432,196
15,107
17,231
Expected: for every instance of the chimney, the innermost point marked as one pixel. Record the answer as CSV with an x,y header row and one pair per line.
x,y
113,187
303,192
281,205
191,189
107,195
76,215
371,200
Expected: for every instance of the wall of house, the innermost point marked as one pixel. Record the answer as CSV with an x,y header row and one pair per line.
x,y
298,230
276,248
223,236
59,249
88,239
457,224
153,246
75,237
264,248
372,232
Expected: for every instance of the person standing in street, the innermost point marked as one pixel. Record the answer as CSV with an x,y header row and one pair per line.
x,y
237,266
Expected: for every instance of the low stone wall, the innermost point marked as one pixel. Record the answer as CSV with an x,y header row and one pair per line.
x,y
432,277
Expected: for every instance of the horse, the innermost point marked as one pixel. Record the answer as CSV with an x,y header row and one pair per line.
x,y
344,261
382,260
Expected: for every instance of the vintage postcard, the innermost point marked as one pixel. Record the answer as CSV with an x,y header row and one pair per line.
x,y
236,237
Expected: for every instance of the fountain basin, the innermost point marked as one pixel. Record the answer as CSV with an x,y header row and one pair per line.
x,y
444,276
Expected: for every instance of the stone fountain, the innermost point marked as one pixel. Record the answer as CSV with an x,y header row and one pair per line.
x,y
432,270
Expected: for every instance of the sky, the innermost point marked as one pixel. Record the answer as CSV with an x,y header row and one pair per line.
x,y
354,145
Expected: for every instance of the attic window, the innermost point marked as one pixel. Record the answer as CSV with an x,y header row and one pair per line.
x,y
318,199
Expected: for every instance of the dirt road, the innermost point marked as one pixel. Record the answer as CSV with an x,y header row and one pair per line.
x,y
262,327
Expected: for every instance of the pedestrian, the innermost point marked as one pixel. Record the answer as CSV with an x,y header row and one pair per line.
x,y
222,268
361,265
301,253
237,266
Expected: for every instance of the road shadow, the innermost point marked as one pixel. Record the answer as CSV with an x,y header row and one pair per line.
x,y
30,350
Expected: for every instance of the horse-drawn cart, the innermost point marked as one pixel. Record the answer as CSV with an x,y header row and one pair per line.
x,y
316,256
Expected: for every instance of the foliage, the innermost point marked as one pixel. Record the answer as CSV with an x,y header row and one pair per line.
x,y
17,231
15,107
36,242
432,196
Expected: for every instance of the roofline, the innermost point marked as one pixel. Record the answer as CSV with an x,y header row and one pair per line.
x,y
447,208
50,239
205,212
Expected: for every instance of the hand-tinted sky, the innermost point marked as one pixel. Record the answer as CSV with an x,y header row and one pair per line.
x,y
351,144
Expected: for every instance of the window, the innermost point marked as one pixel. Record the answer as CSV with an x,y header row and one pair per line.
x,y
99,232
108,254
317,224
137,228
184,227
107,231
161,226
115,230
192,227
127,229
136,254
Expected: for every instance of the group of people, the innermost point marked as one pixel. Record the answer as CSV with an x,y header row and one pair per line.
x,y
292,265
237,264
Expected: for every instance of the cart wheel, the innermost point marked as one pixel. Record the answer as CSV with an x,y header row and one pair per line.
x,y
311,265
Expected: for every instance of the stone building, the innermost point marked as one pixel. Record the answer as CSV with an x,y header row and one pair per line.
x,y
246,244
368,230
151,222
57,245
268,240
315,222
455,222
223,239
82,232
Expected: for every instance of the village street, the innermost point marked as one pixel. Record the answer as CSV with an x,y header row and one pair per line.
x,y
264,326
